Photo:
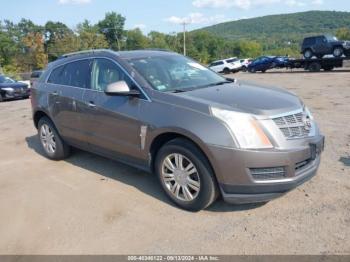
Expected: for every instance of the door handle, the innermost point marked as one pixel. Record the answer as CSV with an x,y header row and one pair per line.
x,y
91,104
55,93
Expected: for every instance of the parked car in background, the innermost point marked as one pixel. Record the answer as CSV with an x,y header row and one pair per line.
x,y
245,63
11,89
280,62
261,64
226,66
35,75
322,45
203,135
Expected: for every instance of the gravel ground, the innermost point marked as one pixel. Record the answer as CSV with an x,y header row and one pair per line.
x,y
92,205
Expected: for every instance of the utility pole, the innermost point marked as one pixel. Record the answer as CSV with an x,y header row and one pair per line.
x,y
184,29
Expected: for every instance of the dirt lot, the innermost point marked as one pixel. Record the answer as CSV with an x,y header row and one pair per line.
x,y
92,205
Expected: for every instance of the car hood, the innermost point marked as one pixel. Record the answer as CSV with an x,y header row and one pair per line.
x,y
248,98
13,85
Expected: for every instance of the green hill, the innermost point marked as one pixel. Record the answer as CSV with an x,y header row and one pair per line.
x,y
284,26
279,34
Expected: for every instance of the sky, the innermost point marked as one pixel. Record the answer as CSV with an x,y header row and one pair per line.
x,y
159,15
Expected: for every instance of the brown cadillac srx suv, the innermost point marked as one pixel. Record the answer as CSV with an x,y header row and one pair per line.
x,y
203,135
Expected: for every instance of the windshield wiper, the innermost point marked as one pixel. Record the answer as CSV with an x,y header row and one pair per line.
x,y
178,91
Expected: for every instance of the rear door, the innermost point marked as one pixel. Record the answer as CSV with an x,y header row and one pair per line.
x,y
68,83
111,123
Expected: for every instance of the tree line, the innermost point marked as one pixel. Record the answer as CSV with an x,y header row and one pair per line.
x,y
25,46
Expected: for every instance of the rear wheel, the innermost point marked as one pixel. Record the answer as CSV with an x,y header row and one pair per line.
x,y
185,176
308,54
338,51
52,143
227,71
315,67
244,69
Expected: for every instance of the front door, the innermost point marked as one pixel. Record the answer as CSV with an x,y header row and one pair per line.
x,y
111,123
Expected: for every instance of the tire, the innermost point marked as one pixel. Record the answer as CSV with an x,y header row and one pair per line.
x,y
244,69
202,189
308,54
253,70
328,68
226,71
51,142
338,51
263,71
314,67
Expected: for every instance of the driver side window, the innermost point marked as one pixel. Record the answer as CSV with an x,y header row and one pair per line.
x,y
105,72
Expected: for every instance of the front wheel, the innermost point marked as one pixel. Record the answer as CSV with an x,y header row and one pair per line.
x,y
338,52
52,143
185,175
244,69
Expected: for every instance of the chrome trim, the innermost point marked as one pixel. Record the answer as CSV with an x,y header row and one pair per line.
x,y
312,132
91,58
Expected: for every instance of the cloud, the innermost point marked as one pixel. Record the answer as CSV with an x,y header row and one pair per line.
x,y
196,18
248,4
294,3
76,2
242,4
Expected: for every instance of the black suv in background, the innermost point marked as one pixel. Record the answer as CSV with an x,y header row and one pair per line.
x,y
320,46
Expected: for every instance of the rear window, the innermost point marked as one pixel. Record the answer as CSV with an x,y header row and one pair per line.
x,y
75,74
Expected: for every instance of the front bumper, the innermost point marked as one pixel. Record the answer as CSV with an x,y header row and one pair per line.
x,y
237,184
17,94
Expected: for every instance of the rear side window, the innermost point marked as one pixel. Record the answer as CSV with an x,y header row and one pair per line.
x,y
217,63
75,74
309,41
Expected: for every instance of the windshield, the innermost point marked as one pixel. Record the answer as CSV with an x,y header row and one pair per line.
x,y
175,73
6,80
332,38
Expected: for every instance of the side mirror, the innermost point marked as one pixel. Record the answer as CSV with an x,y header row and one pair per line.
x,y
120,88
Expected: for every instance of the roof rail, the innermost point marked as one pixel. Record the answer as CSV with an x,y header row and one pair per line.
x,y
92,51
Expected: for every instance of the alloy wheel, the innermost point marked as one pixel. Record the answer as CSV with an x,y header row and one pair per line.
x,y
47,138
180,177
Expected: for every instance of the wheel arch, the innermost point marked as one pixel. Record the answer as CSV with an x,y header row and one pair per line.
x,y
38,115
165,137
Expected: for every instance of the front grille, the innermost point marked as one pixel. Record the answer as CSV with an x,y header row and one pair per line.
x,y
294,126
263,174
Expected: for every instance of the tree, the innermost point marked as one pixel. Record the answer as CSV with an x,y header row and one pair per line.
x,y
55,31
35,57
136,40
112,26
158,40
90,37
343,33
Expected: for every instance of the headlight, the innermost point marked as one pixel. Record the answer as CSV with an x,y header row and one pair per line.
x,y
8,89
244,128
